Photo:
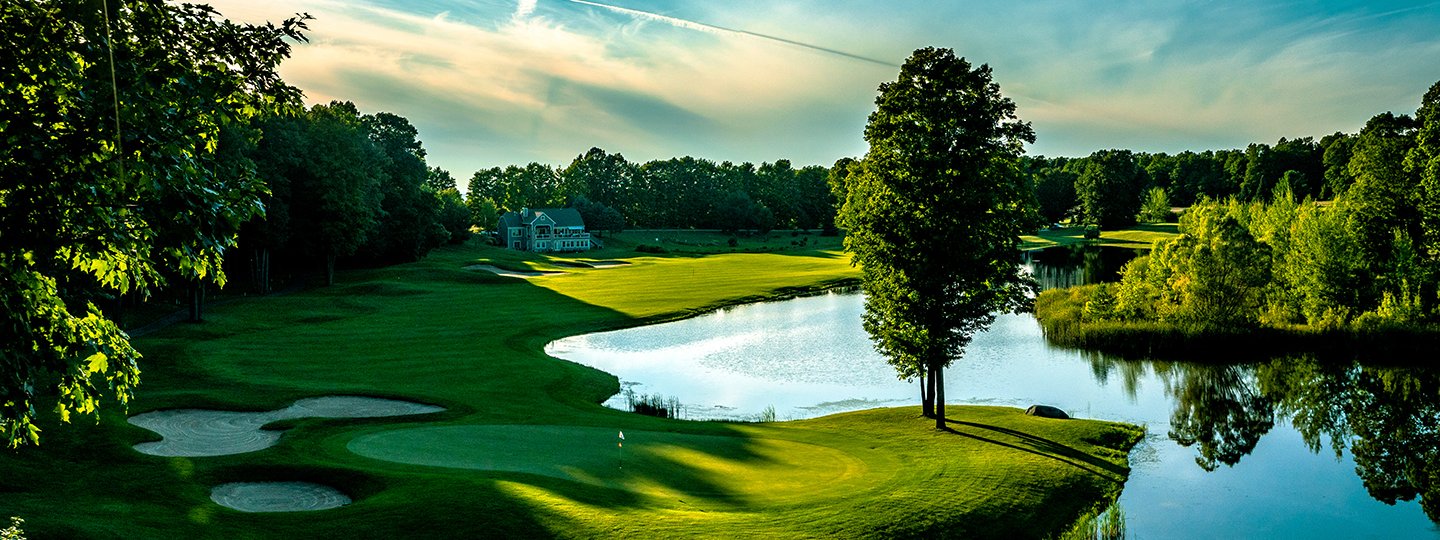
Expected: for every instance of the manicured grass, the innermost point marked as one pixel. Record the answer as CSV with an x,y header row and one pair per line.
x,y
1138,236
524,451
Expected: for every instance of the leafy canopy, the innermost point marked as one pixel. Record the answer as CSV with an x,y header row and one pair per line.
x,y
99,202
935,210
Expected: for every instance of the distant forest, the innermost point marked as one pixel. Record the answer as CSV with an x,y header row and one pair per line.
x,y
382,204
1109,188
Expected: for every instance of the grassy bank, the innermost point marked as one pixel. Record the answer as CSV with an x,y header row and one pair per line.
x,y
1138,236
523,450
1061,315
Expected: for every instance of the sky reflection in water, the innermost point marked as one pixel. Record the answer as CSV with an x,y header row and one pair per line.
x,y
809,357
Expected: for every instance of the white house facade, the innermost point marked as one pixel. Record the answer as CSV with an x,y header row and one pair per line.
x,y
543,230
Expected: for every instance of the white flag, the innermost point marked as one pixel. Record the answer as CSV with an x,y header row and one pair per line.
x,y
622,435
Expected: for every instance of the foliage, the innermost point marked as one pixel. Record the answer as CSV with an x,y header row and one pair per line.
x,y
936,212
1109,524
1055,194
1156,208
409,223
13,532
683,192
483,212
1109,189
326,172
439,180
100,202
454,215
597,216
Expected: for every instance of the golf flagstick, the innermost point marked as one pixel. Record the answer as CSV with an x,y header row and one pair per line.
x,y
621,446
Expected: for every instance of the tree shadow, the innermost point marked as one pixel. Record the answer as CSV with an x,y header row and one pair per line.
x,y
1040,446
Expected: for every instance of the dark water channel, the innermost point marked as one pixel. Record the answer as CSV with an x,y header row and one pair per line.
x,y
1284,448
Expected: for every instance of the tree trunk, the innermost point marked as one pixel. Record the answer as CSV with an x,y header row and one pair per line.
x,y
329,270
927,406
197,301
937,377
260,270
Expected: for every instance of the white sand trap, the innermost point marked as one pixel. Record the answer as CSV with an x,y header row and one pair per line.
x,y
277,496
200,432
607,264
508,273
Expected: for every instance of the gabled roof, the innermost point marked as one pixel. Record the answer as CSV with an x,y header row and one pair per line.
x,y
563,217
509,219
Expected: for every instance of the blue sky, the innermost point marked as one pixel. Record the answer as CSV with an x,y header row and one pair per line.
x,y
497,82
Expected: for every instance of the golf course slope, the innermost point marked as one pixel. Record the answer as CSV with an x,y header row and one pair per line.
x,y
521,448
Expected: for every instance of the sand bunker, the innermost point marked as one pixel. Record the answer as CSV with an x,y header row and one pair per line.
x,y
508,273
277,496
200,432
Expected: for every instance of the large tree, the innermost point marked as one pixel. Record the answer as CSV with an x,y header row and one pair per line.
x,y
111,178
935,214
1109,188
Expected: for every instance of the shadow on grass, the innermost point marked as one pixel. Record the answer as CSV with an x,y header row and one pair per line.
x,y
1043,447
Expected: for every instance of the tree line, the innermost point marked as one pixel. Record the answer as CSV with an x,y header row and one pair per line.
x,y
685,192
345,184
1369,260
1117,188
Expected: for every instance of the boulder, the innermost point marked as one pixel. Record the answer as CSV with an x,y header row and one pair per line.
x,y
1046,411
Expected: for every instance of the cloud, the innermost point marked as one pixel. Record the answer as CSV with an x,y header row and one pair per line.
x,y
550,84
524,8
494,82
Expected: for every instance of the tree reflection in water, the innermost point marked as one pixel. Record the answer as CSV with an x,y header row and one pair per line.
x,y
1387,417
1221,410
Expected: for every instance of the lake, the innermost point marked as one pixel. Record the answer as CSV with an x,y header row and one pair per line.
x,y
1266,449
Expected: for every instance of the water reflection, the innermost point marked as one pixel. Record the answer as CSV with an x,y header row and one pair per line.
x,y
1387,417
1278,444
1079,264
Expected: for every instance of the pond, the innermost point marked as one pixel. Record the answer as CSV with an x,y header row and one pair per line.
x,y
1283,448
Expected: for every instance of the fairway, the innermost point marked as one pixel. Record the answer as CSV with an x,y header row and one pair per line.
x,y
522,439
660,464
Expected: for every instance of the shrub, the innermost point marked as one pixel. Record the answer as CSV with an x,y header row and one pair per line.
x,y
1092,232
13,532
646,248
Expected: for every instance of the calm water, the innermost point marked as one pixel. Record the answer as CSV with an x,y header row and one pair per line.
x,y
1232,451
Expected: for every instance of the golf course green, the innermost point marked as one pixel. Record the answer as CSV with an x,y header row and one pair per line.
x,y
522,448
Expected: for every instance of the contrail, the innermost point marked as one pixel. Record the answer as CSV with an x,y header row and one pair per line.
x,y
712,29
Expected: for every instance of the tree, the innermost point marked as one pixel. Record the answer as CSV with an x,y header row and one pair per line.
x,y
439,180
598,176
1055,194
1156,208
409,220
333,173
1109,189
454,215
1423,162
736,212
935,215
101,201
597,216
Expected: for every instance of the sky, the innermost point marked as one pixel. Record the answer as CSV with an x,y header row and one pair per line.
x,y
498,82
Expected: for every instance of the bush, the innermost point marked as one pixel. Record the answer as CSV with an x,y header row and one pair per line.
x,y
646,248
13,532
1092,232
